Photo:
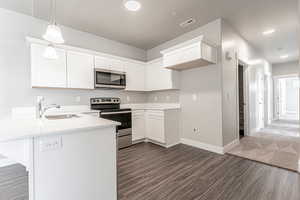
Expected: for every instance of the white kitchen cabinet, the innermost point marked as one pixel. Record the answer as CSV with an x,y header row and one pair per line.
x,y
80,70
160,78
107,63
138,125
118,65
155,126
48,72
162,127
191,54
103,62
135,76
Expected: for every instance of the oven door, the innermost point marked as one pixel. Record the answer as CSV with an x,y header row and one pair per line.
x,y
110,79
124,117
124,130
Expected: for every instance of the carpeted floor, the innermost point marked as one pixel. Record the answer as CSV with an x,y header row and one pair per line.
x,y
277,145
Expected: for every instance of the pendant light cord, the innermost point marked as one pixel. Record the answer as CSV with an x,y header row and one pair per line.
x,y
53,12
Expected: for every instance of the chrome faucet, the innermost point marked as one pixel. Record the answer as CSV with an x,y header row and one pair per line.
x,y
41,110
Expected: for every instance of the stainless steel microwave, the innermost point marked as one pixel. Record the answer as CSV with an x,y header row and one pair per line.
x,y
110,79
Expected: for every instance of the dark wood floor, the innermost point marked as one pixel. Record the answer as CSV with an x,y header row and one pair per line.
x,y
149,172
13,183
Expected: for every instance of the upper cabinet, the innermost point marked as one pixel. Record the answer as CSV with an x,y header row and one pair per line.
x,y
160,78
135,76
48,72
80,71
191,54
107,63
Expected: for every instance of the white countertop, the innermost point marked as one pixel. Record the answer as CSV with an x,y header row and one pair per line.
x,y
152,106
13,129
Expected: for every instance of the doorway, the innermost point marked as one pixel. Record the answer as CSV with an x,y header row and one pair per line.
x,y
242,99
286,95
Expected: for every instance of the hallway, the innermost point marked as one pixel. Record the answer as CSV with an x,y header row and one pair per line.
x,y
278,144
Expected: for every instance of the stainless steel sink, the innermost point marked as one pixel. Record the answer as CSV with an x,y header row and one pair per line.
x,y
58,117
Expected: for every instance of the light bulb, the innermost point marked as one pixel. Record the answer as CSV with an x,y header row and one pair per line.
x,y
53,34
50,52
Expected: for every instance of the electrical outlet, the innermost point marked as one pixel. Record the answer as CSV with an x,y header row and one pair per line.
x,y
196,130
50,143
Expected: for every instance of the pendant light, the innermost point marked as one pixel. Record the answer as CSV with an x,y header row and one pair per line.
x,y
53,33
50,52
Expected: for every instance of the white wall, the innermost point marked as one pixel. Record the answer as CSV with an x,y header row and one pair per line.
x,y
203,84
233,43
15,89
286,68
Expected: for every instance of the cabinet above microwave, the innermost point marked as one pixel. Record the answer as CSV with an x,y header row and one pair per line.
x,y
191,54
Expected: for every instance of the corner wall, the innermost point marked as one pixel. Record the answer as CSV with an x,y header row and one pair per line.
x,y
200,92
239,49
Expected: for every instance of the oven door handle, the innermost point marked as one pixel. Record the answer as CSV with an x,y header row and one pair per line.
x,y
114,113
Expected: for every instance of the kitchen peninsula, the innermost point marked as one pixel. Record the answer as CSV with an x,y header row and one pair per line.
x,y
66,156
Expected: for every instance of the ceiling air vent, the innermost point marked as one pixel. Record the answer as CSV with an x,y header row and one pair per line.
x,y
187,22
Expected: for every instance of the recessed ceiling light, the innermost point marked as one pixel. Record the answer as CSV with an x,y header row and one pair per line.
x,y
284,56
132,5
269,32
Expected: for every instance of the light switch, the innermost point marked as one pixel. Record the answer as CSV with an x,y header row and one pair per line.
x,y
50,143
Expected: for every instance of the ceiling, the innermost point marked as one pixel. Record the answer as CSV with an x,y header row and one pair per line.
x,y
158,20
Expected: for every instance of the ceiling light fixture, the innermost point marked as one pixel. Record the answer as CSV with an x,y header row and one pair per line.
x,y
53,33
284,56
269,32
50,52
132,5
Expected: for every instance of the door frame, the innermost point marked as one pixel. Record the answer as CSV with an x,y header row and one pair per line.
x,y
246,98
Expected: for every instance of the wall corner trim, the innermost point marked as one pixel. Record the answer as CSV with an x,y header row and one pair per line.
x,y
231,145
204,146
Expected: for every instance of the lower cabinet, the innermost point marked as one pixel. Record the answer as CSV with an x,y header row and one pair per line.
x,y
138,125
157,126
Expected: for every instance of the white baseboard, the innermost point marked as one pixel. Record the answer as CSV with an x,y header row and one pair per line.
x,y
6,162
231,145
200,145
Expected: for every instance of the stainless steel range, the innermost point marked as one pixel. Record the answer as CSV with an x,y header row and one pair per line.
x,y
110,109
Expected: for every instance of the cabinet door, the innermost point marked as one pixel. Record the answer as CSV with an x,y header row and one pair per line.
x,y
48,72
155,126
135,76
80,70
160,78
118,65
103,62
138,125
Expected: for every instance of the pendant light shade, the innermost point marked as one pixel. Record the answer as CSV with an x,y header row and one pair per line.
x,y
53,34
50,52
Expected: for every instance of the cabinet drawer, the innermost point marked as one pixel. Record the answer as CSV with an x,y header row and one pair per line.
x,y
157,113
